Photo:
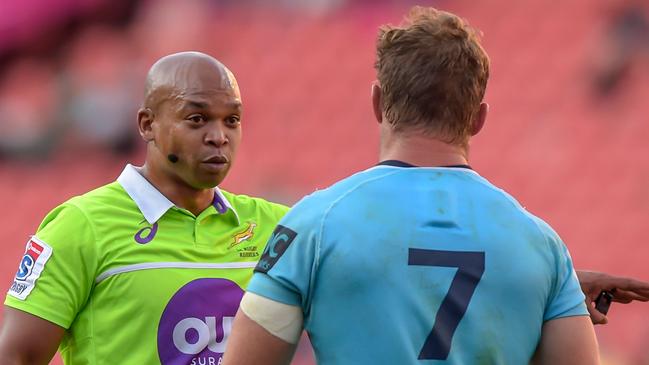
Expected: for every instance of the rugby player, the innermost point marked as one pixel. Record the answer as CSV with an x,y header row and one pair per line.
x,y
418,259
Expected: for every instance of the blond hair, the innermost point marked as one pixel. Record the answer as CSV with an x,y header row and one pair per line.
x,y
433,74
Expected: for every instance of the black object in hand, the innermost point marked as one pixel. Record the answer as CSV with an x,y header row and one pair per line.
x,y
603,302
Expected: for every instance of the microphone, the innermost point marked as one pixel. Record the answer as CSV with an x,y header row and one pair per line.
x,y
172,158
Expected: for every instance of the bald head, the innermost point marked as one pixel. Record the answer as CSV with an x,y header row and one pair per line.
x,y
180,74
191,121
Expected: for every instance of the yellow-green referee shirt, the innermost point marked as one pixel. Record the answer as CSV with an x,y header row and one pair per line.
x,y
135,279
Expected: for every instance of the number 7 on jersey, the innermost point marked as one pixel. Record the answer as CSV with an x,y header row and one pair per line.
x,y
470,266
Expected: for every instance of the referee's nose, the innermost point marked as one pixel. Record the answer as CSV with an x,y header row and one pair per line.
x,y
216,134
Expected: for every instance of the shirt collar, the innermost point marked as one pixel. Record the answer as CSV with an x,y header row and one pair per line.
x,y
397,163
152,203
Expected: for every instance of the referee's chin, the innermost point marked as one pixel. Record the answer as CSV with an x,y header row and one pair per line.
x,y
207,181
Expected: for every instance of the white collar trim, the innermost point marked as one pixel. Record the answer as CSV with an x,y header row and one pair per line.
x,y
152,203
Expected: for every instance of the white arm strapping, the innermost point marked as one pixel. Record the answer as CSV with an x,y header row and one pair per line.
x,y
281,320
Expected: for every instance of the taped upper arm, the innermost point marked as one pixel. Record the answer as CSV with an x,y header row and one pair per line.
x,y
281,320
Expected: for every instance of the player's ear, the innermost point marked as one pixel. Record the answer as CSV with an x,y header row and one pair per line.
x,y
376,101
145,118
480,119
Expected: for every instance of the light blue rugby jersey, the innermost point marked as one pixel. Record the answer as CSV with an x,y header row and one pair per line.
x,y
398,265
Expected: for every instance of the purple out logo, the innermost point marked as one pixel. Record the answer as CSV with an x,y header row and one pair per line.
x,y
196,323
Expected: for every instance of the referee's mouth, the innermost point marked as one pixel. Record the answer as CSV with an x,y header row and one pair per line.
x,y
216,163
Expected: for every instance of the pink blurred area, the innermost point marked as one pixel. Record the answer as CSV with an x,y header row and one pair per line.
x,y
24,20
572,152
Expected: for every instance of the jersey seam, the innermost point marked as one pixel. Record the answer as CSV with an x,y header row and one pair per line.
x,y
391,171
535,222
316,260
232,196
92,285
569,314
548,245
516,204
351,190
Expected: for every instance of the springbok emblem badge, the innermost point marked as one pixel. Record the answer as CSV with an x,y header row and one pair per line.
x,y
245,235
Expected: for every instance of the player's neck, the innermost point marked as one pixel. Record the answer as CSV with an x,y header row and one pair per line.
x,y
423,151
177,191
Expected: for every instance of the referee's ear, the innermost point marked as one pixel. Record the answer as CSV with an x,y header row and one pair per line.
x,y
376,101
481,117
145,118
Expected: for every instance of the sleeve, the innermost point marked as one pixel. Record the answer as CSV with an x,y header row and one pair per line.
x,y
280,211
566,298
57,271
286,270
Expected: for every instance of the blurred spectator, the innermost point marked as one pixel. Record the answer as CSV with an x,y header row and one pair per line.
x,y
627,40
100,98
28,100
166,26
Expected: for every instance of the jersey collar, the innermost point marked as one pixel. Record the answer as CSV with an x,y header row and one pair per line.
x,y
397,163
152,203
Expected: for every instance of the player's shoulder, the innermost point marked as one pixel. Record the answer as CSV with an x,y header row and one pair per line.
x,y
523,217
545,230
105,200
384,178
78,208
112,192
323,202
517,208
249,205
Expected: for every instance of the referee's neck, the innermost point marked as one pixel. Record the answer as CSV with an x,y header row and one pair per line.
x,y
178,191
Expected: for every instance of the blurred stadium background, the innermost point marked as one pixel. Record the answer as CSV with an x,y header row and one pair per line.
x,y
567,133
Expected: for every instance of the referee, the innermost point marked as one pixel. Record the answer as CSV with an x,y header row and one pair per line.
x,y
149,269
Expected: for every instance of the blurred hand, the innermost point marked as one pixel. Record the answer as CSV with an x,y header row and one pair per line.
x,y
624,290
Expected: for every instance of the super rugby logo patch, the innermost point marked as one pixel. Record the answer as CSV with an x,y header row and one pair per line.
x,y
31,265
277,244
